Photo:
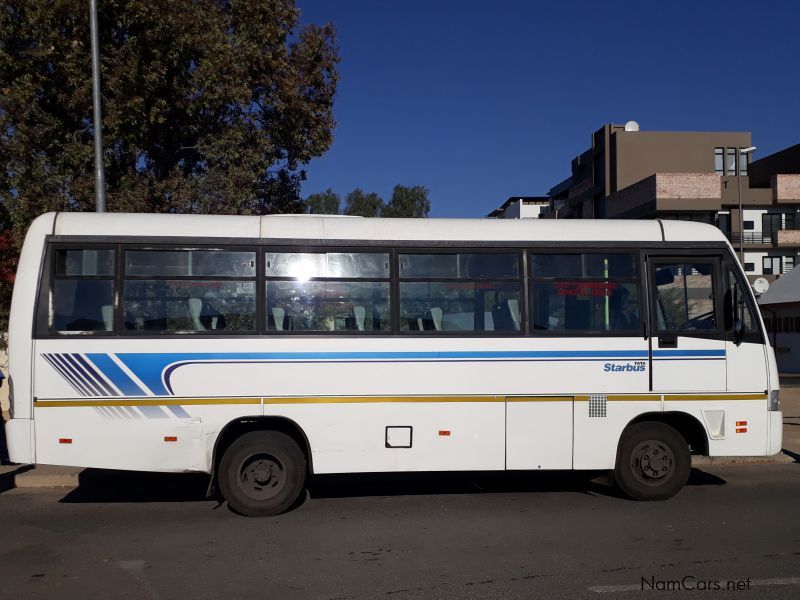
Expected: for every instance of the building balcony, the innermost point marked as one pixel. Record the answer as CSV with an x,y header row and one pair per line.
x,y
782,238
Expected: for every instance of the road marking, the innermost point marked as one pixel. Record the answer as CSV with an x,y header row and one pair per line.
x,y
605,589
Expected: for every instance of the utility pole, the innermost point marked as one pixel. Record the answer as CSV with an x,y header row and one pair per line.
x,y
100,177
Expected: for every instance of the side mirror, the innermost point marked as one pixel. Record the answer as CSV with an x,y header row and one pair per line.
x,y
664,277
738,331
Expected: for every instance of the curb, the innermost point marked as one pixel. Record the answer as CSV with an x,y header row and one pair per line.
x,y
716,461
46,476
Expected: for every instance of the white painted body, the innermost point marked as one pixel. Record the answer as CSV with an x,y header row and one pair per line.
x,y
473,403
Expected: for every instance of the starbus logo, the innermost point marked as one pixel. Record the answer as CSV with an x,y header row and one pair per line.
x,y
629,367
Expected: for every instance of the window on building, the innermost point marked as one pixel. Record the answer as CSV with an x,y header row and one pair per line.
x,y
724,223
730,161
743,160
719,161
749,267
771,265
749,225
788,263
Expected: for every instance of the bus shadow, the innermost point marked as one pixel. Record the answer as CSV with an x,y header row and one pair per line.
x,y
107,486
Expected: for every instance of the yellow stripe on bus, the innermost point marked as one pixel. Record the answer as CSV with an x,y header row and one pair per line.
x,y
172,401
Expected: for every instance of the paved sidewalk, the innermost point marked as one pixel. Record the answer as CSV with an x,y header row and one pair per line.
x,y
46,476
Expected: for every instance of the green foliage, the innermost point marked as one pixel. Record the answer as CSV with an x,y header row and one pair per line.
x,y
325,203
359,203
209,106
408,201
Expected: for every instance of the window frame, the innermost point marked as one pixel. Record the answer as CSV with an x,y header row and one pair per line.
x,y
754,337
121,278
520,280
263,279
530,279
645,249
688,256
44,294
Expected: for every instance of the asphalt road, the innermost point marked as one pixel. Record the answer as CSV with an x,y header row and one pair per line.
x,y
400,537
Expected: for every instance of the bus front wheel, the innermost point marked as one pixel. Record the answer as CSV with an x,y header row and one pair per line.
x,y
262,473
653,462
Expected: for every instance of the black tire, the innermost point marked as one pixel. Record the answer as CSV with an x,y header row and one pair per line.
x,y
262,473
653,462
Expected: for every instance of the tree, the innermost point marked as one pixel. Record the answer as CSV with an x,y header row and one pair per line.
x,y
408,201
324,203
209,106
362,204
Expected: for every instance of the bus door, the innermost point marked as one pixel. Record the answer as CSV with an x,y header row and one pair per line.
x,y
745,350
687,324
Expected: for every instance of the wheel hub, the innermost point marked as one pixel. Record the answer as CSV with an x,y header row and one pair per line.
x,y
261,477
652,461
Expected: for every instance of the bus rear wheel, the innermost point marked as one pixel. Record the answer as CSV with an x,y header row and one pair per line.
x,y
262,473
653,462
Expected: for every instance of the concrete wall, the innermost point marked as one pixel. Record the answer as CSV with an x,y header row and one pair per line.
x,y
639,154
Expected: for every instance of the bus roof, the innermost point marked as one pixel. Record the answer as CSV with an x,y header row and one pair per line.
x,y
314,227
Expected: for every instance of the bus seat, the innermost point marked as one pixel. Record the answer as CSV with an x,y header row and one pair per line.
x,y
278,314
513,307
107,310
436,317
195,308
360,314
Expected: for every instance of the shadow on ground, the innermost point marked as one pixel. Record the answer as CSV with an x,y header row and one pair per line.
x,y
99,485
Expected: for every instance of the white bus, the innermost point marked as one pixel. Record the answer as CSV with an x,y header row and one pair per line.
x,y
263,350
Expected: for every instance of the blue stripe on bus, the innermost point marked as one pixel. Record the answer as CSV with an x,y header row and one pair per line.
x,y
153,369
116,375
688,353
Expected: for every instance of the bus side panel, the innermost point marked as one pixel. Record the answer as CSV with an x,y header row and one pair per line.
x,y
597,437
20,328
401,436
116,437
720,418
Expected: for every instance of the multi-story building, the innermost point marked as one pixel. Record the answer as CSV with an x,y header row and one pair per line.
x,y
521,207
699,176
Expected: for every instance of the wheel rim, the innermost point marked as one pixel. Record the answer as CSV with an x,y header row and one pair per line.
x,y
261,477
652,462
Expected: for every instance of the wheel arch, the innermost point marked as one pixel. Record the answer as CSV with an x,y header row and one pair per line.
x,y
238,427
684,423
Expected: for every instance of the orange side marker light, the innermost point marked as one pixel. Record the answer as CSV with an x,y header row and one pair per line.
x,y
741,423
444,432
170,438
741,430
64,440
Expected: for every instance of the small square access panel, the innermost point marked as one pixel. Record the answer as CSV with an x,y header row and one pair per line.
x,y
399,436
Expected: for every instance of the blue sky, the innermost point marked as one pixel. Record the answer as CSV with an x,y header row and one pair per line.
x,y
479,101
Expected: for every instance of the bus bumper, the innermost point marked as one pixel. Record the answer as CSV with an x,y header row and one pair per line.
x,y
19,437
775,433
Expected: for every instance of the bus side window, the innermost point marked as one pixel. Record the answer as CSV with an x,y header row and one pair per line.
x,y
685,296
82,291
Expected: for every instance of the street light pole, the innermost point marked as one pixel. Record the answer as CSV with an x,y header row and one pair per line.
x,y
737,166
100,178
